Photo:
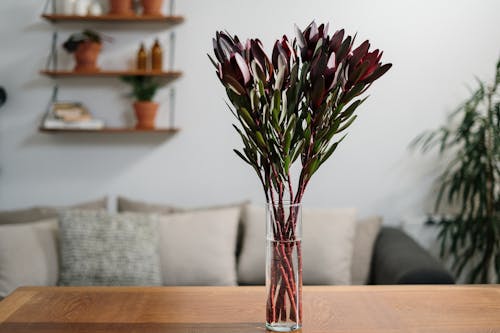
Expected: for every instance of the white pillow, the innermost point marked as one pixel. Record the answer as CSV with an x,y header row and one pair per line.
x,y
28,255
328,237
198,247
367,230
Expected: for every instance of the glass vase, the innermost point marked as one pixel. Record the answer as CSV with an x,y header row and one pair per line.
x,y
284,267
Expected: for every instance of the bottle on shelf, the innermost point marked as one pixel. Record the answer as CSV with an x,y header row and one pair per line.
x,y
142,59
156,57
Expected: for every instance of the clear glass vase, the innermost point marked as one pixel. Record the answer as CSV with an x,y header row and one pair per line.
x,y
284,267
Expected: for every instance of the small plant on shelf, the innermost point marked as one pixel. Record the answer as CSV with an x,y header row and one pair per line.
x,y
86,46
144,89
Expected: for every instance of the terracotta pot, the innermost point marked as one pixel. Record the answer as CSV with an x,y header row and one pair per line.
x,y
145,112
86,56
152,7
120,7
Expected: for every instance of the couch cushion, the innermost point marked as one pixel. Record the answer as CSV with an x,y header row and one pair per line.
x,y
328,236
45,212
198,247
98,248
366,233
130,205
28,255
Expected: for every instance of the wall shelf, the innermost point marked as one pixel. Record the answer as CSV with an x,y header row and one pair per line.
x,y
163,21
113,130
169,75
168,19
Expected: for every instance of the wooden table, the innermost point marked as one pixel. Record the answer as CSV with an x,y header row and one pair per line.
x,y
388,309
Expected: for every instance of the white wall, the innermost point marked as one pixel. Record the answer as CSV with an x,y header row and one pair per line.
x,y
435,47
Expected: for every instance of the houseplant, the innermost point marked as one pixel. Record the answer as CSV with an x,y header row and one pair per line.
x,y
86,46
470,142
152,7
290,108
143,90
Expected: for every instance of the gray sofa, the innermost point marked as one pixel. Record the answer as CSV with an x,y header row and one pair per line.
x,y
398,259
394,257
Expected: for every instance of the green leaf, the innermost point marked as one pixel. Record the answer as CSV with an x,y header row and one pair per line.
x,y
260,140
247,118
297,151
330,150
261,89
313,167
355,91
241,156
287,164
352,107
347,124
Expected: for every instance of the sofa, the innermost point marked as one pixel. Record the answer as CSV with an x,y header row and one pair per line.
x,y
157,244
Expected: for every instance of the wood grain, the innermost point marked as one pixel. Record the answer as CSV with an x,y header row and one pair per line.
x,y
354,309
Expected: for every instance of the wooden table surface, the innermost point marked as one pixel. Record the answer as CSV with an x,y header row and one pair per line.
x,y
388,309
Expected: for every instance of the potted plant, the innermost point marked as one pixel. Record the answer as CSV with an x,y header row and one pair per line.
x,y
86,46
152,7
120,7
143,90
290,109
470,184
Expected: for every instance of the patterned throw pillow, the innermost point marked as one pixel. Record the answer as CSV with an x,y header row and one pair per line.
x,y
101,249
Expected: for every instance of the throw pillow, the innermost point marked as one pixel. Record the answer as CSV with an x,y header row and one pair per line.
x,y
129,205
367,230
28,255
44,212
327,246
98,248
198,247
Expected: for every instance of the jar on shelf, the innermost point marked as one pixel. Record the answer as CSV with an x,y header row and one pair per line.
x,y
156,57
142,59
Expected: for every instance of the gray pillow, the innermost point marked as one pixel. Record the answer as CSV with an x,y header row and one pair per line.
x,y
327,246
33,214
198,247
98,248
367,230
28,255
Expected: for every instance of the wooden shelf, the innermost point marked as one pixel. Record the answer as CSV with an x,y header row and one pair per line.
x,y
114,130
62,74
168,19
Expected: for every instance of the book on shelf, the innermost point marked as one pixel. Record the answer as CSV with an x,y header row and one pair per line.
x,y
70,115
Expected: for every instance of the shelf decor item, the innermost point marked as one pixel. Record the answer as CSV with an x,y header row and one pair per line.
x,y
70,116
95,9
86,46
142,59
152,7
82,7
291,107
469,228
120,7
156,57
143,90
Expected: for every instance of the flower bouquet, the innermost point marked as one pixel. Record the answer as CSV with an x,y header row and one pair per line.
x,y
291,108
